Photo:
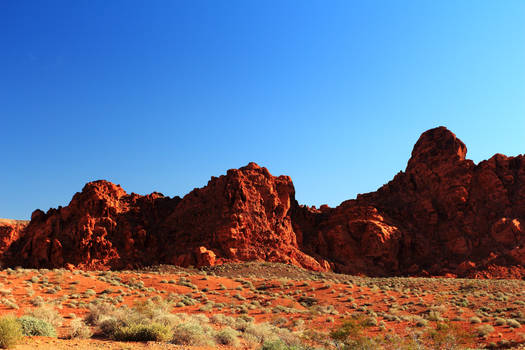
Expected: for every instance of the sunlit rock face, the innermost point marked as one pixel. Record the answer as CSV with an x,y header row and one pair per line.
x,y
444,215
10,231
241,216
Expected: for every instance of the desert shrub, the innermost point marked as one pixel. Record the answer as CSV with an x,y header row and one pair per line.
x,y
258,333
47,313
10,332
351,335
449,336
370,321
9,303
192,333
109,325
221,319
227,336
241,323
474,319
308,301
99,311
277,344
142,332
32,326
499,321
484,330
434,315
420,322
153,308
513,323
78,329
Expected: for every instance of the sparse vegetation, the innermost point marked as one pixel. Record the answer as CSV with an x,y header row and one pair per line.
x,y
32,326
10,332
267,306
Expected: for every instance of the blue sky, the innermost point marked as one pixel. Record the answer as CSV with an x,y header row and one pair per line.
x,y
161,95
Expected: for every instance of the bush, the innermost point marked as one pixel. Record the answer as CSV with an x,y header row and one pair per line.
x,y
499,321
10,332
32,326
474,320
227,336
278,344
191,333
152,308
47,313
513,323
484,330
448,335
221,319
274,345
78,329
97,312
143,332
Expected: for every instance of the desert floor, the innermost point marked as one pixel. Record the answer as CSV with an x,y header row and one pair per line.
x,y
305,305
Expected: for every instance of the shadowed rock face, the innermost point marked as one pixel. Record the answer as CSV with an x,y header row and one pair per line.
x,y
10,231
443,215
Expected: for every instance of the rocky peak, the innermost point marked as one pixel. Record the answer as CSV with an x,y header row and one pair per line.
x,y
103,189
435,147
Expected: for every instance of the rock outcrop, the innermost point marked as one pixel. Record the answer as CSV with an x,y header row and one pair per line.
x,y
444,215
102,227
10,231
244,215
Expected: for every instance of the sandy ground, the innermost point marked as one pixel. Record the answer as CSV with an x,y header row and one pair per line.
x,y
277,288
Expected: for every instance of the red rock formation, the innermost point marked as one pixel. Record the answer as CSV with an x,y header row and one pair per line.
x,y
444,215
244,215
10,231
241,216
102,227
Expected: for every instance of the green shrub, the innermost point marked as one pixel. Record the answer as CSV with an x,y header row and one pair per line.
x,y
274,345
10,332
278,344
32,326
143,332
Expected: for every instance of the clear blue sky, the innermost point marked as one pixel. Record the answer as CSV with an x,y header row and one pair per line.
x,y
161,95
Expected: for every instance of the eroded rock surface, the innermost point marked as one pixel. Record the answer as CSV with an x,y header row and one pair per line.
x,y
444,215
10,231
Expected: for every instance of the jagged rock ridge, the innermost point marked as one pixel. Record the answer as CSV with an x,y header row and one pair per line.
x,y
442,215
